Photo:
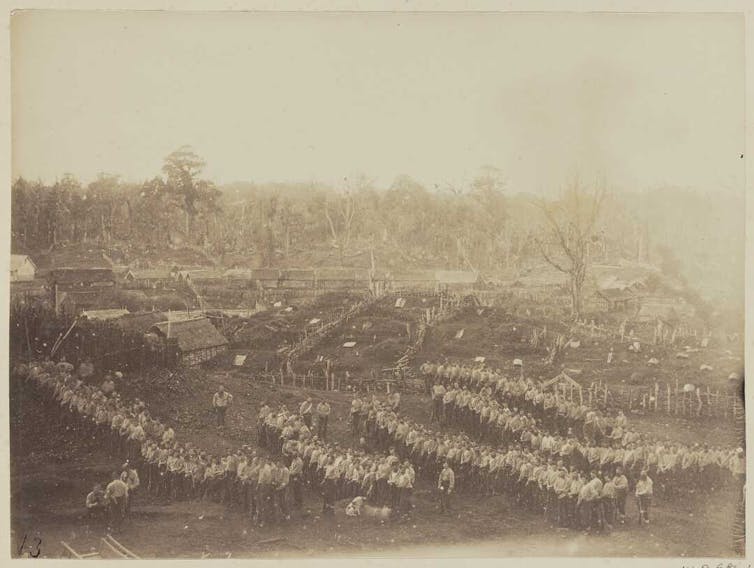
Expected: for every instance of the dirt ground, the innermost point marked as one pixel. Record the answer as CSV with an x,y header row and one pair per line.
x,y
261,336
51,475
52,471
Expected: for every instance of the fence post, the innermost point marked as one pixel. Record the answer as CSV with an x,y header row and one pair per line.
x,y
668,397
676,396
709,402
722,404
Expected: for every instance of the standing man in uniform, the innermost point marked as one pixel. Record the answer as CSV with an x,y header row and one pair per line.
x,y
644,493
281,481
323,414
438,393
296,472
116,495
220,402
356,405
305,410
445,485
131,477
621,492
329,486
265,492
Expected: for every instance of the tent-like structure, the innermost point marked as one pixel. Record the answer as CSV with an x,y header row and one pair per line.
x,y
562,383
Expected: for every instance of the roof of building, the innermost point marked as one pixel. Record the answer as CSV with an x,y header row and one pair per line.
x,y
74,275
74,257
540,276
456,276
616,294
342,273
298,274
149,273
204,274
414,276
17,260
242,273
561,378
139,322
657,311
265,273
106,314
36,283
192,335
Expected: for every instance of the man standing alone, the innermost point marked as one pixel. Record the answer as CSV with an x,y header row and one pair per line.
x,y
644,495
220,402
323,414
445,485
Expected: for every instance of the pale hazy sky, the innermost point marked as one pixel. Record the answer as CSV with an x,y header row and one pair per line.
x,y
642,100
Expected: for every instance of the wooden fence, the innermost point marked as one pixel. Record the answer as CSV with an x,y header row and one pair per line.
x,y
668,399
332,383
313,337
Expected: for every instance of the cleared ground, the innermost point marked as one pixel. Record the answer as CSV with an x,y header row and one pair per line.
x,y
52,472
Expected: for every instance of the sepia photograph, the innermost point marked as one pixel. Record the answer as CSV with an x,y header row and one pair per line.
x,y
376,284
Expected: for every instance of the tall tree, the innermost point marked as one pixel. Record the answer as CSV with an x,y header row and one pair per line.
x,y
183,168
104,197
570,225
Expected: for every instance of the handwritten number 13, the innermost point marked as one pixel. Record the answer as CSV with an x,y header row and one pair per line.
x,y
33,552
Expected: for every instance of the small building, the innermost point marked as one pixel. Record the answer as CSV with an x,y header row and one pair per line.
x,y
206,276
79,288
341,278
145,278
419,280
616,299
29,290
455,280
563,384
670,309
238,277
297,278
22,268
266,277
196,339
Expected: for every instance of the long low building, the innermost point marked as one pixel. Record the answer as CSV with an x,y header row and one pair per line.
x,y
79,288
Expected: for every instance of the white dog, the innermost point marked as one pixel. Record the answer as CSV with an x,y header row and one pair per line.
x,y
359,508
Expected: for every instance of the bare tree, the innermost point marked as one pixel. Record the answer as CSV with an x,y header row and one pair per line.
x,y
340,213
340,222
570,224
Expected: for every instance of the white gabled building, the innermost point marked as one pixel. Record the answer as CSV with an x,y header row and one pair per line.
x,y
22,268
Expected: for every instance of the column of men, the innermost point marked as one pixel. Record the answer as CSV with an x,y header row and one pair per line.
x,y
557,413
540,421
672,465
565,495
255,484
338,473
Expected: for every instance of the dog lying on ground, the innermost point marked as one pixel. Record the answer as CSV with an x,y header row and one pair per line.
x,y
358,507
